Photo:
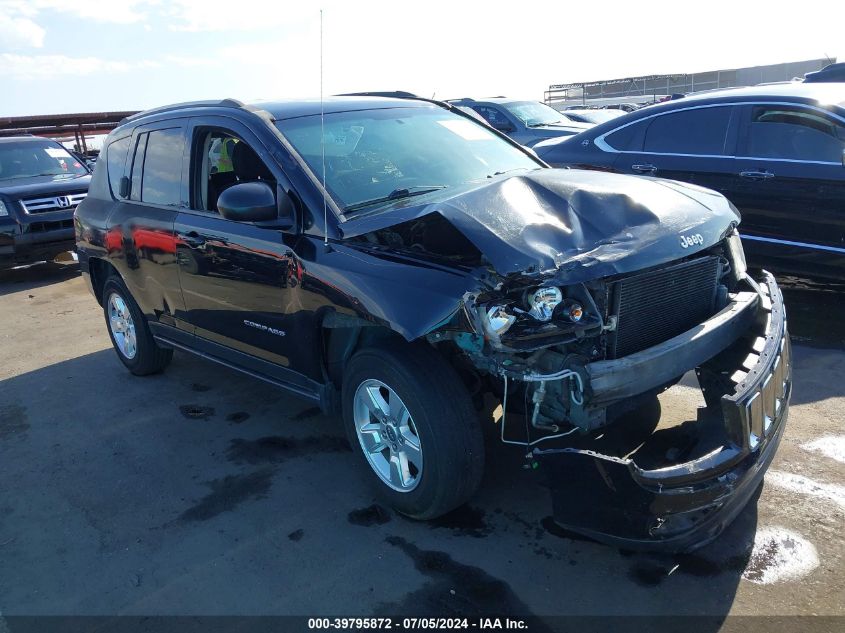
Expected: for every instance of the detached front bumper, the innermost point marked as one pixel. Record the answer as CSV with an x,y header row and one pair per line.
x,y
685,505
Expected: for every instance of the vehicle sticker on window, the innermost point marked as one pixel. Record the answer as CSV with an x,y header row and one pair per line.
x,y
467,130
55,152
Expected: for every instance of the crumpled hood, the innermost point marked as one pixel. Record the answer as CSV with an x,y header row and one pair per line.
x,y
585,224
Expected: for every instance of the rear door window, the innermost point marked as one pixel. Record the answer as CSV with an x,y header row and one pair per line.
x,y
794,133
162,179
700,131
116,160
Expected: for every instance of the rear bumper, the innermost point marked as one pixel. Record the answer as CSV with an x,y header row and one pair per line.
x,y
685,505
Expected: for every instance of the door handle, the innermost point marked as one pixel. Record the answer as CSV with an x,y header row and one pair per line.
x,y
756,175
644,169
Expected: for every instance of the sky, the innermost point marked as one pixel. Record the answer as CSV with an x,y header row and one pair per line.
x,y
63,56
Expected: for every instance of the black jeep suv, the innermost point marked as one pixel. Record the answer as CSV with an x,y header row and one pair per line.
x,y
397,261
41,184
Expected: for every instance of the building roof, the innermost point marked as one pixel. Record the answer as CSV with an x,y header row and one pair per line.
x,y
62,124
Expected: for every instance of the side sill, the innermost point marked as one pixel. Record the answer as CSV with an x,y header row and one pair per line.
x,y
282,377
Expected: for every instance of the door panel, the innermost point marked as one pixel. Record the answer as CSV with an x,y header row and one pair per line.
x,y
237,280
792,199
693,145
242,282
141,241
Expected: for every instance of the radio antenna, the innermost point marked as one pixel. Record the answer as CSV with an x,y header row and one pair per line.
x,y
323,143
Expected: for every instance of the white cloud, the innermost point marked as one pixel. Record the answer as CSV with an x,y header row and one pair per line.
x,y
115,11
38,67
244,15
19,32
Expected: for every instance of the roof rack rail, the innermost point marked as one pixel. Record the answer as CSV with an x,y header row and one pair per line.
x,y
222,103
396,94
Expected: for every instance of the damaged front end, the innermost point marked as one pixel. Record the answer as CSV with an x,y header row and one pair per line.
x,y
587,295
573,359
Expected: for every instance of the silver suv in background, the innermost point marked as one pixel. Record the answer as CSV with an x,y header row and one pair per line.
x,y
526,122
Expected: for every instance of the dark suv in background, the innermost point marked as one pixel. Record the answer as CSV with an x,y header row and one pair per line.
x,y
776,152
41,184
398,261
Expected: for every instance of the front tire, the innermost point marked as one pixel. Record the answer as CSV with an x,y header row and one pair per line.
x,y
129,333
411,419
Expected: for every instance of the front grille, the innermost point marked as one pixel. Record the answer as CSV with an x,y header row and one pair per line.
x,y
655,306
64,202
43,227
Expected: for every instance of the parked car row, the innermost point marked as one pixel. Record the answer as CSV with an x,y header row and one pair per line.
x,y
526,122
776,152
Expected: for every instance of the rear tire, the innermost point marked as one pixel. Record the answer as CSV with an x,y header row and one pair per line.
x,y
429,417
129,333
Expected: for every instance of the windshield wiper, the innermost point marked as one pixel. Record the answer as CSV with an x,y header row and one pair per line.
x,y
544,123
396,194
51,173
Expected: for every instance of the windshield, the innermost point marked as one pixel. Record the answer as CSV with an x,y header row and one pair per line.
x,y
380,155
534,113
35,157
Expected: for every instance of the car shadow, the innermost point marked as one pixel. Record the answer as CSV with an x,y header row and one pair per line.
x,y
815,312
36,276
176,474
816,320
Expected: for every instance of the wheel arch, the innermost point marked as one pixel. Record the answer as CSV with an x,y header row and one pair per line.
x,y
99,270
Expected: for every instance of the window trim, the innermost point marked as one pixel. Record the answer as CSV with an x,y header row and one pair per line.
x,y
602,144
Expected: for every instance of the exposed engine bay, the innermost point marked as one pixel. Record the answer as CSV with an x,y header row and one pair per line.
x,y
540,339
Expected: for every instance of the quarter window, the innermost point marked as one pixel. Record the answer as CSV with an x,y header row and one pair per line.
x,y
627,138
794,133
701,131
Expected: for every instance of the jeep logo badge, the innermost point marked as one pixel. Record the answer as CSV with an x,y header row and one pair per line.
x,y
691,240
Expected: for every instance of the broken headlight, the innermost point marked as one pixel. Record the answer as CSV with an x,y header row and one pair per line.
x,y
736,254
543,301
498,320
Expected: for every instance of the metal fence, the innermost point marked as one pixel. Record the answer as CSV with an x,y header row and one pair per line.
x,y
652,87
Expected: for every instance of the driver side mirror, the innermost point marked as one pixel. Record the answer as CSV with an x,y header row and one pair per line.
x,y
256,202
